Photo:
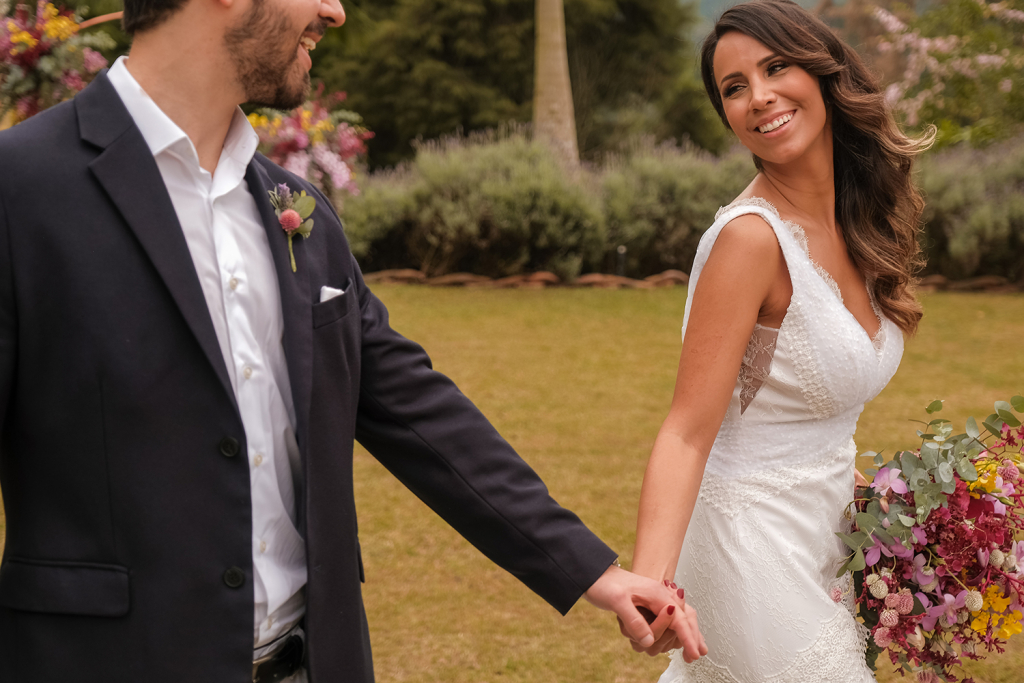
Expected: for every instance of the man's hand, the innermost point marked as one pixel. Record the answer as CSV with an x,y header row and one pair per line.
x,y
675,624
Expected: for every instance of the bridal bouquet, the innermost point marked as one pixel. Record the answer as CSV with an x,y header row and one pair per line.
x,y
938,545
44,60
314,142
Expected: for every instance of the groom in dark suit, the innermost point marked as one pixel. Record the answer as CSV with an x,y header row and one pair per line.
x,y
178,404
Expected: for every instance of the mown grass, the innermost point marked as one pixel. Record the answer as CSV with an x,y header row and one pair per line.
x,y
579,381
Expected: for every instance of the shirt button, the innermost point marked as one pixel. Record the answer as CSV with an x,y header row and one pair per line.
x,y
247,372
258,460
233,283
234,577
263,546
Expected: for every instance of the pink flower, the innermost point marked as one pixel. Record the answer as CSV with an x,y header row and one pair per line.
x,y
836,594
297,163
94,61
1008,471
883,637
290,220
887,479
947,610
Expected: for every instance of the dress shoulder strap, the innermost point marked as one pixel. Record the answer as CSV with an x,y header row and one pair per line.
x,y
790,236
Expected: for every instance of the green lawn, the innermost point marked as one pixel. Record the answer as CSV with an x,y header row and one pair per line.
x,y
579,381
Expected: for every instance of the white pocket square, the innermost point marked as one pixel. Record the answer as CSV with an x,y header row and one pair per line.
x,y
328,293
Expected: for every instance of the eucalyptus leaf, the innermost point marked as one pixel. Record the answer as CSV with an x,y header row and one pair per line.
x,y
929,454
849,541
866,523
844,568
908,521
949,487
934,407
945,472
1010,419
304,204
994,425
306,228
858,564
883,536
966,469
1018,403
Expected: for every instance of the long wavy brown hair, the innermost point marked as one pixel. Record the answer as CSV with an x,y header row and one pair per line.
x,y
878,207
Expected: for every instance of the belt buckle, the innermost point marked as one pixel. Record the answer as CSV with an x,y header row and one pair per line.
x,y
258,663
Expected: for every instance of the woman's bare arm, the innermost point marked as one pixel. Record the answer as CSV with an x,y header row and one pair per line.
x,y
744,281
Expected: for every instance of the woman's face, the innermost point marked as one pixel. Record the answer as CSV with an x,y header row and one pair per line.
x,y
773,106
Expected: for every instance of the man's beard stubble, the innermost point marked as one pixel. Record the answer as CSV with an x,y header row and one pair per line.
x,y
262,64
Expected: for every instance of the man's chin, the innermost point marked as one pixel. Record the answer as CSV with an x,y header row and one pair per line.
x,y
286,97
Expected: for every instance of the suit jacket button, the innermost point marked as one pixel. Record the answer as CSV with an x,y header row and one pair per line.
x,y
229,447
234,577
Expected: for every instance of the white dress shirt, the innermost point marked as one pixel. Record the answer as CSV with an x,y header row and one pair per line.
x,y
229,247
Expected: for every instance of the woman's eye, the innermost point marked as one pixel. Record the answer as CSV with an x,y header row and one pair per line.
x,y
732,90
776,67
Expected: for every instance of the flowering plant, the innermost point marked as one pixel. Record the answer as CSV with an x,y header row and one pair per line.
x,y
938,545
314,142
294,211
44,60
957,65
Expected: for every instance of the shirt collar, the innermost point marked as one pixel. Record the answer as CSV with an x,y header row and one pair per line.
x,y
161,133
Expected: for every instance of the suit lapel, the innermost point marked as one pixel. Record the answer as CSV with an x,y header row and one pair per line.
x,y
296,304
129,174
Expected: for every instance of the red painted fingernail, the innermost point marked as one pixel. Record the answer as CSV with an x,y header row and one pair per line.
x,y
681,593
667,583
673,585
671,609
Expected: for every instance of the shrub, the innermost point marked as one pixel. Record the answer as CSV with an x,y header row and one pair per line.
x,y
974,210
659,201
495,205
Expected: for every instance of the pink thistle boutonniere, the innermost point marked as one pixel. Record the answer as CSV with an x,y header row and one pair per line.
x,y
294,211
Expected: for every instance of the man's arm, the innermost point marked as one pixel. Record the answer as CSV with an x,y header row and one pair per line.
x,y
418,424
8,318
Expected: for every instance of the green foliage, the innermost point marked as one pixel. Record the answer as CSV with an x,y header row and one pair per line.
x,y
498,209
421,69
502,205
974,210
659,202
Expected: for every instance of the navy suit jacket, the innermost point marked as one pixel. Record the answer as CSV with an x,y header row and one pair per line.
x,y
122,450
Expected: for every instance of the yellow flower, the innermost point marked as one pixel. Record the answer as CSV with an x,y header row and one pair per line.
x,y
60,28
23,38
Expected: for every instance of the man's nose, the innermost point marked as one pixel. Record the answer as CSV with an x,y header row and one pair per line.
x,y
332,13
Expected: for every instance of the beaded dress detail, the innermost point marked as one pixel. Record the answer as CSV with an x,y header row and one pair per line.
x,y
760,555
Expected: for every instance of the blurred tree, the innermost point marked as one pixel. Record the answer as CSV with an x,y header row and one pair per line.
x,y
553,119
959,64
427,68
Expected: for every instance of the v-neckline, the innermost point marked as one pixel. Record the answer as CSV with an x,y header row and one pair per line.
x,y
877,341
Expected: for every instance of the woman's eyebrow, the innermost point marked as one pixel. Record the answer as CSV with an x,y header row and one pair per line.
x,y
737,73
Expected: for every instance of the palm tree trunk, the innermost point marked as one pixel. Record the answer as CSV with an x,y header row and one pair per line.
x,y
554,120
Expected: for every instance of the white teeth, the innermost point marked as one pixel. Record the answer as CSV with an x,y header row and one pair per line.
x,y
768,127
308,43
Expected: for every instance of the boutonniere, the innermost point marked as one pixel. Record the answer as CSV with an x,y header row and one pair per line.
x,y
294,211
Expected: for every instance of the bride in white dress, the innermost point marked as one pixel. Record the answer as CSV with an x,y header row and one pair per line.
x,y
799,299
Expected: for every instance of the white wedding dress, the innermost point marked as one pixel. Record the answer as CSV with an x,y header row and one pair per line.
x,y
760,556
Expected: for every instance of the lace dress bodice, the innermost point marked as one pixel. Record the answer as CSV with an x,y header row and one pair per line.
x,y
807,381
760,554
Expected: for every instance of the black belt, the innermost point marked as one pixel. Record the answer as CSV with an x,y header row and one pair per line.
x,y
284,662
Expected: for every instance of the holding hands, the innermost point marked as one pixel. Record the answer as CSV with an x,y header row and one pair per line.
x,y
654,616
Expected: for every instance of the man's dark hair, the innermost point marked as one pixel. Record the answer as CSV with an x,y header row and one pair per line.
x,y
142,15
